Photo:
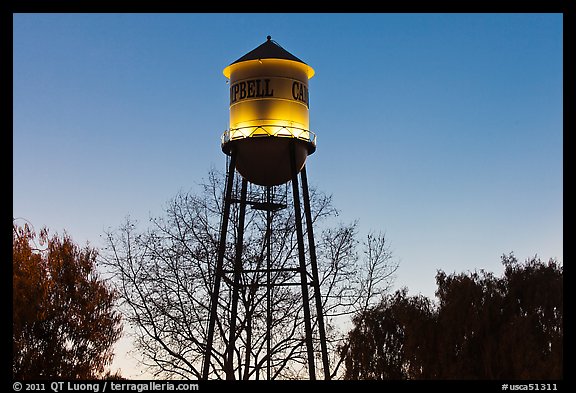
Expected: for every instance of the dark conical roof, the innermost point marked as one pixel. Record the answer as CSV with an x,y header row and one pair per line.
x,y
269,50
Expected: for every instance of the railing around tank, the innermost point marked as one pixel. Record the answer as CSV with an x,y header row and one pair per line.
x,y
267,131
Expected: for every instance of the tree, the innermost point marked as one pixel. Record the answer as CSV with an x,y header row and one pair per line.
x,y
64,317
386,338
482,327
165,275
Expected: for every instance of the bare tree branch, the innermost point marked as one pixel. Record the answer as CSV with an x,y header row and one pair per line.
x,y
165,274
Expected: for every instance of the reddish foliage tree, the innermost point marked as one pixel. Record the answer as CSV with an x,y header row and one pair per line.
x,y
64,318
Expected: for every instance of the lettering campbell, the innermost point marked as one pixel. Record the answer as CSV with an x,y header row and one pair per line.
x,y
300,92
269,88
250,89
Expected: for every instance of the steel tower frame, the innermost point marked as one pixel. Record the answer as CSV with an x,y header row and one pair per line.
x,y
306,279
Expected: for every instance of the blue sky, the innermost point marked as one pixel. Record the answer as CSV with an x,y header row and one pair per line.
x,y
443,130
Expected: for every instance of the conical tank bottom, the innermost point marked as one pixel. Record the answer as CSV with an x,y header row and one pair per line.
x,y
266,161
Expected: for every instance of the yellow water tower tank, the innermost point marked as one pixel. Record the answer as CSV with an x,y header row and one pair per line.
x,y
269,104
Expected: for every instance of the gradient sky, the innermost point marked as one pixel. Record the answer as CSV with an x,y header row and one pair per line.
x,y
442,130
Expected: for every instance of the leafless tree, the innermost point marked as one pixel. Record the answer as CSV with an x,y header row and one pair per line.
x,y
165,275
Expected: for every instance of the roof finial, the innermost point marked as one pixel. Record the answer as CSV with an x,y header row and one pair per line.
x,y
269,37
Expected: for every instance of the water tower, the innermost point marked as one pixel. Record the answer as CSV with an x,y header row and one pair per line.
x,y
267,143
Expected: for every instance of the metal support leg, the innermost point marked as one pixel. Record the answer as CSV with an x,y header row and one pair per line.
x,y
301,257
218,273
236,287
268,283
315,278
